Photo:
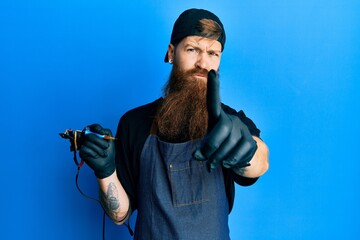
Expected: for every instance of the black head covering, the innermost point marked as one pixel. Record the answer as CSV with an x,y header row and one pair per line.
x,y
187,25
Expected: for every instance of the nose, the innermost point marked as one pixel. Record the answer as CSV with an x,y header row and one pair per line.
x,y
202,61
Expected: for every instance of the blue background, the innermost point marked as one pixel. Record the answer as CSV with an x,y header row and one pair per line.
x,y
292,66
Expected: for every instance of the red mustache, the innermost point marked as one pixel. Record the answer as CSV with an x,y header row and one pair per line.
x,y
197,71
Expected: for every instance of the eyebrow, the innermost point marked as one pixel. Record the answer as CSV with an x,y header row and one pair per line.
x,y
195,44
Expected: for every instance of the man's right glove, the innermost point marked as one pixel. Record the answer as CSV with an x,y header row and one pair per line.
x,y
229,142
98,153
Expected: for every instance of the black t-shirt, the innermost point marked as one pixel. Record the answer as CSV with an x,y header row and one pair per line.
x,y
132,132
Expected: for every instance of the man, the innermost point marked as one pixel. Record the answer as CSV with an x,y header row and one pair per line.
x,y
176,159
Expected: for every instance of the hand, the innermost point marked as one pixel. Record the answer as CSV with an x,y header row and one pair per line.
x,y
229,141
98,153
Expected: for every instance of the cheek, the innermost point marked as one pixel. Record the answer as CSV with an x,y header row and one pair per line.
x,y
215,63
185,63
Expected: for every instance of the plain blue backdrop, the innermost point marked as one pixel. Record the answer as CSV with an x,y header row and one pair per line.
x,y
292,66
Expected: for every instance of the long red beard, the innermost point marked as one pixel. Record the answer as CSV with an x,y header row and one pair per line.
x,y
182,115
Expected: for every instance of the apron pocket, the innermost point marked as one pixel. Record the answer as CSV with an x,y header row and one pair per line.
x,y
188,184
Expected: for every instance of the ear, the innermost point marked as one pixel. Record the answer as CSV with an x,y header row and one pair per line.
x,y
171,51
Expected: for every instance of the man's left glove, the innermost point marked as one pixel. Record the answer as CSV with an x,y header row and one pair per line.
x,y
98,153
229,141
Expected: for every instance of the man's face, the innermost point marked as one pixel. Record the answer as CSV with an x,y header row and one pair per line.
x,y
183,113
195,52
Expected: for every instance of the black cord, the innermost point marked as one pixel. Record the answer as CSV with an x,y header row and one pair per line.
x,y
93,199
74,139
81,192
103,231
97,201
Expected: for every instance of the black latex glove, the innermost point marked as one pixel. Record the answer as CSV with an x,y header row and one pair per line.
x,y
98,153
229,141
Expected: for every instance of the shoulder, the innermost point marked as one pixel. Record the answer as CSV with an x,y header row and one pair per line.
x,y
228,109
140,116
134,126
246,120
145,111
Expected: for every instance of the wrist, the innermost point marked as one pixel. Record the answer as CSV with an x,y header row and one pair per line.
x,y
104,173
240,170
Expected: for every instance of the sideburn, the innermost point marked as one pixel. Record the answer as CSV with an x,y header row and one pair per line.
x,y
182,115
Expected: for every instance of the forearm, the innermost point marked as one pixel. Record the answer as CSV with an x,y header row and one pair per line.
x,y
259,163
114,198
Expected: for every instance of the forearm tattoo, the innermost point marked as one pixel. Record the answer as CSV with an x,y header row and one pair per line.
x,y
110,201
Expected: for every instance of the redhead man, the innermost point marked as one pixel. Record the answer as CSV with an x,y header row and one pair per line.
x,y
176,160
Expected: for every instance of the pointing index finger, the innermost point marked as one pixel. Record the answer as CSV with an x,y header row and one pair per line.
x,y
213,97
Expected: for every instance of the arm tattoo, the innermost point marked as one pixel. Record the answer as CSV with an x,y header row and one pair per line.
x,y
110,201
